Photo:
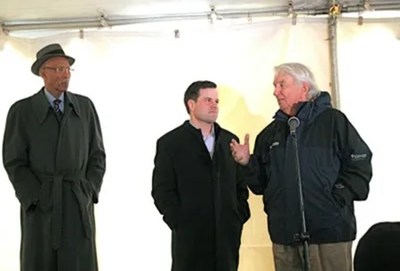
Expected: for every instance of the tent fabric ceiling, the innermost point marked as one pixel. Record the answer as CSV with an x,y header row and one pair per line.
x,y
45,9
20,13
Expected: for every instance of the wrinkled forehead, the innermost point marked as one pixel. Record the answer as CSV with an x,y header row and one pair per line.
x,y
283,76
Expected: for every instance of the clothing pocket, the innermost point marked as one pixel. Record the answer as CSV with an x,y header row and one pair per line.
x,y
242,213
87,190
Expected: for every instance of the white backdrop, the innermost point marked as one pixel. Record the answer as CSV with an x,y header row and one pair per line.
x,y
137,80
369,56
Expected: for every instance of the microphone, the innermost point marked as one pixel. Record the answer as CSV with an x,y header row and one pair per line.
x,y
293,123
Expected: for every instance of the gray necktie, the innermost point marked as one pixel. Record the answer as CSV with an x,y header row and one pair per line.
x,y
56,105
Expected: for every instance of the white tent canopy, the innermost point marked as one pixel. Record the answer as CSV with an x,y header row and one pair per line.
x,y
75,14
149,64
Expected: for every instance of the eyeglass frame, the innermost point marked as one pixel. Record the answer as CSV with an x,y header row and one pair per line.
x,y
59,69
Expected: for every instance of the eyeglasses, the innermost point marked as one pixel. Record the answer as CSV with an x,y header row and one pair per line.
x,y
60,69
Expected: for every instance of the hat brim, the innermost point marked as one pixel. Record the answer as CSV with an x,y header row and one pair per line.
x,y
39,62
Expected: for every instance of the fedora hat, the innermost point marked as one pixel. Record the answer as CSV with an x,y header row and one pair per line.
x,y
47,52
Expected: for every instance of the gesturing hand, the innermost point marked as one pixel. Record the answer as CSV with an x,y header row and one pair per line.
x,y
241,152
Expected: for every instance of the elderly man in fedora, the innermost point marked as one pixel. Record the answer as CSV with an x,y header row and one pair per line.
x,y
54,156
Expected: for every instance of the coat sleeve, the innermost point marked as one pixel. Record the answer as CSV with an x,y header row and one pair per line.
x,y
97,158
242,196
164,186
255,171
16,158
356,169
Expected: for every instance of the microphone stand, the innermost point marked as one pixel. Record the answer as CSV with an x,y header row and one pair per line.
x,y
302,237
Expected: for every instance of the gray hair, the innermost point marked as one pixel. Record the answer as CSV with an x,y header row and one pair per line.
x,y
300,73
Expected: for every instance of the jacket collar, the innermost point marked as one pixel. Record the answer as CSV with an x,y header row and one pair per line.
x,y
187,124
307,111
41,105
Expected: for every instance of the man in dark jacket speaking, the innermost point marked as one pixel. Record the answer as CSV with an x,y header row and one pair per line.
x,y
198,188
334,166
54,156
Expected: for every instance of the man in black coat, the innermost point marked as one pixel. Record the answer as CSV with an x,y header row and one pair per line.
x,y
54,156
198,188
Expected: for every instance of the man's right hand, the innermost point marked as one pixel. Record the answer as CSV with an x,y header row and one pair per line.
x,y
241,152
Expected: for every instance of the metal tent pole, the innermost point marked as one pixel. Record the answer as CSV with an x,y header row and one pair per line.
x,y
334,11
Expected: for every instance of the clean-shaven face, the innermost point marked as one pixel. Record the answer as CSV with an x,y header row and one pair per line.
x,y
205,109
56,74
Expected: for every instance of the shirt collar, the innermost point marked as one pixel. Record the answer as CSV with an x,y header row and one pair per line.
x,y
51,98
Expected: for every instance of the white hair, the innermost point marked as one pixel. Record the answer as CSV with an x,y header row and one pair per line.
x,y
300,73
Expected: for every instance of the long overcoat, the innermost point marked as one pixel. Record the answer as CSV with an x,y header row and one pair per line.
x,y
56,168
203,199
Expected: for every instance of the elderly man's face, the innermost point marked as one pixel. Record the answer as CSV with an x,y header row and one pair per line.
x,y
56,74
289,92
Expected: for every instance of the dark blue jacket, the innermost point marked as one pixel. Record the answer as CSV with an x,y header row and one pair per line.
x,y
335,167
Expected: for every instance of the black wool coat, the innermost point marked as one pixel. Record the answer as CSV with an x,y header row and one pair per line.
x,y
202,199
56,169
